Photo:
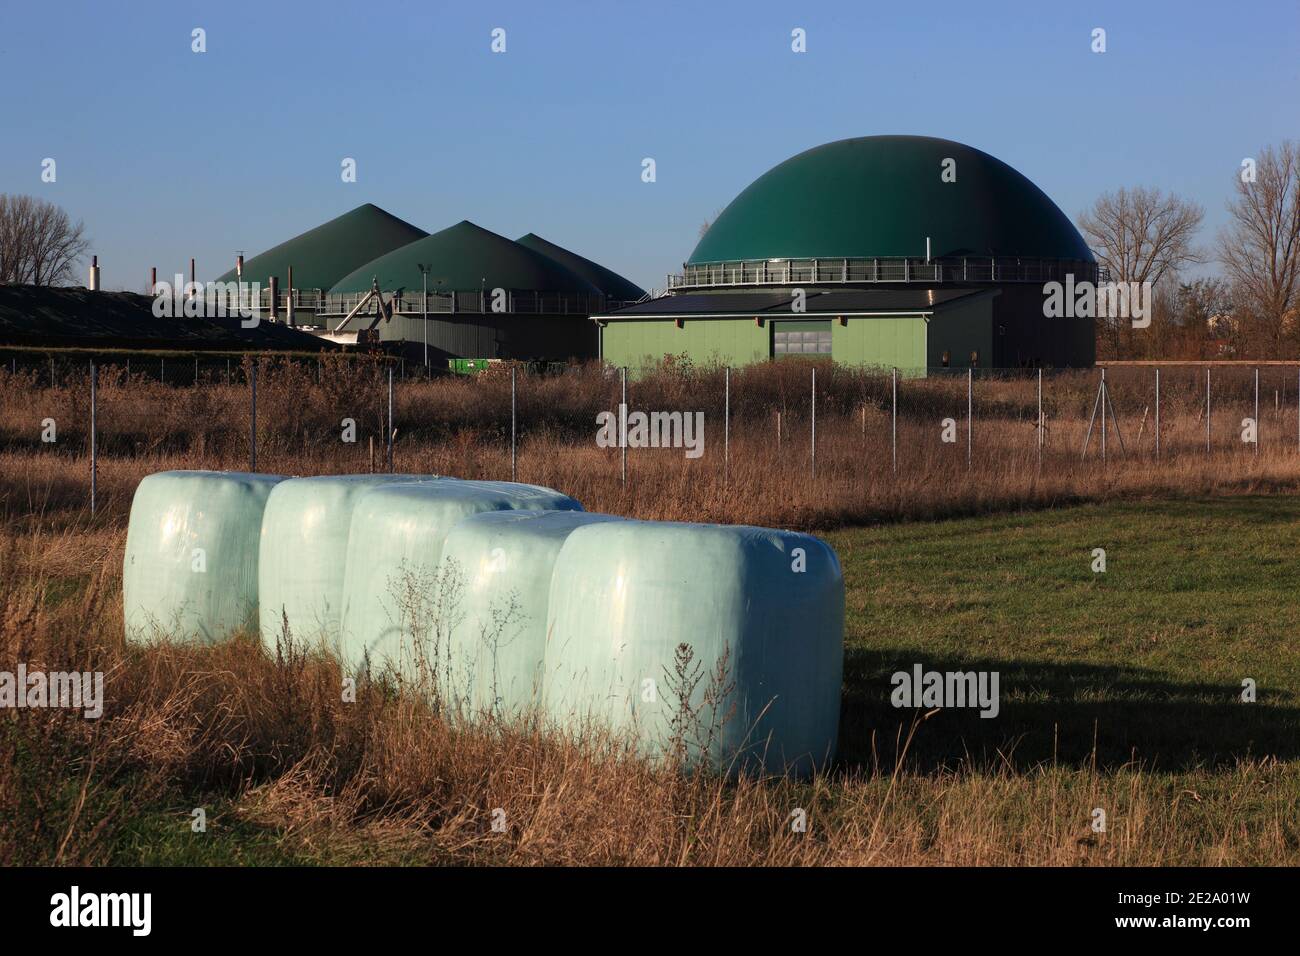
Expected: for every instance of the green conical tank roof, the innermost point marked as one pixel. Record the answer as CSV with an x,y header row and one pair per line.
x,y
882,196
322,256
465,258
606,280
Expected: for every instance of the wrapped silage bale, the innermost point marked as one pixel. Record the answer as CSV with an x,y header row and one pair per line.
x,y
303,552
496,648
761,611
190,569
398,601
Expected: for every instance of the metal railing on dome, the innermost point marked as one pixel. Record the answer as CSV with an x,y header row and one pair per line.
x,y
785,272
444,303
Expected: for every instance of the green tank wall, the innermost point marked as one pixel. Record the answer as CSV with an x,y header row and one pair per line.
x,y
506,335
960,330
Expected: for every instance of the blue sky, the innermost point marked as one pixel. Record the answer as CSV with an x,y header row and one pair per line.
x,y
165,153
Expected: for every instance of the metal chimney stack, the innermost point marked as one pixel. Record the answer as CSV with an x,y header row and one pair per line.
x,y
153,280
94,273
275,295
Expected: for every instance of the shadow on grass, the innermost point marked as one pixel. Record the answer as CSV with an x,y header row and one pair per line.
x,y
1058,713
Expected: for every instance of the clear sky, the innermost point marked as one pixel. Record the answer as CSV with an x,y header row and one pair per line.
x,y
166,153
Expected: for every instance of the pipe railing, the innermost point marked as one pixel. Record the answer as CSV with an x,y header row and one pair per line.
x,y
410,303
906,269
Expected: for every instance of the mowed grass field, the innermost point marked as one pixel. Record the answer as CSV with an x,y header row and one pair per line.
x,y
1144,662
1120,692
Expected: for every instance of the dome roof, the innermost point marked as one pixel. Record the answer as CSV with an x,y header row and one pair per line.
x,y
465,258
607,281
882,196
322,256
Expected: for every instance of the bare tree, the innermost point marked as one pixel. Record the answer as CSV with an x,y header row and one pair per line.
x,y
39,243
1142,235
1260,248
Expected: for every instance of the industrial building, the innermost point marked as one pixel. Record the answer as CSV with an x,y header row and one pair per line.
x,y
888,251
368,278
891,251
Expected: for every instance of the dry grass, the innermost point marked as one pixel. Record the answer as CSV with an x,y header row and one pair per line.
x,y
270,747
461,427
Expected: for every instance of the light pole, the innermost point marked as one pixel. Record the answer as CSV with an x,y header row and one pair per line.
x,y
424,309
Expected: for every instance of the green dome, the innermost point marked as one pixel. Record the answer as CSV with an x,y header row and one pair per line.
x,y
607,281
322,256
882,196
465,258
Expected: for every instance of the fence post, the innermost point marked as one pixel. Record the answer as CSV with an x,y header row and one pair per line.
x,y
1256,411
814,422
1040,419
1207,411
94,449
970,413
893,421
252,420
622,425
1104,400
513,457
390,419
726,423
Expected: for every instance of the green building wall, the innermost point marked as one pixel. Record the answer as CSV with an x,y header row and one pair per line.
x,y
895,342
731,342
908,343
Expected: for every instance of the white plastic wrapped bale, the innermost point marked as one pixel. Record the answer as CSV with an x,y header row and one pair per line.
x,y
398,603
496,649
304,550
767,607
190,569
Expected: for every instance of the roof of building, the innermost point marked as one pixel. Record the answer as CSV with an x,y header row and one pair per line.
x,y
465,258
774,303
882,196
606,280
322,256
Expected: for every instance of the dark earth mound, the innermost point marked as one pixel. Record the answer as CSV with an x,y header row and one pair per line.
x,y
78,318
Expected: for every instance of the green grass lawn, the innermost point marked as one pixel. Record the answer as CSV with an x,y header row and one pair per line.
x,y
1147,659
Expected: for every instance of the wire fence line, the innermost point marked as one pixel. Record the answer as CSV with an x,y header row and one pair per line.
x,y
1117,425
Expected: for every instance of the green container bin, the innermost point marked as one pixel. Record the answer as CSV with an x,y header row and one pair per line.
x,y
191,565
767,604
